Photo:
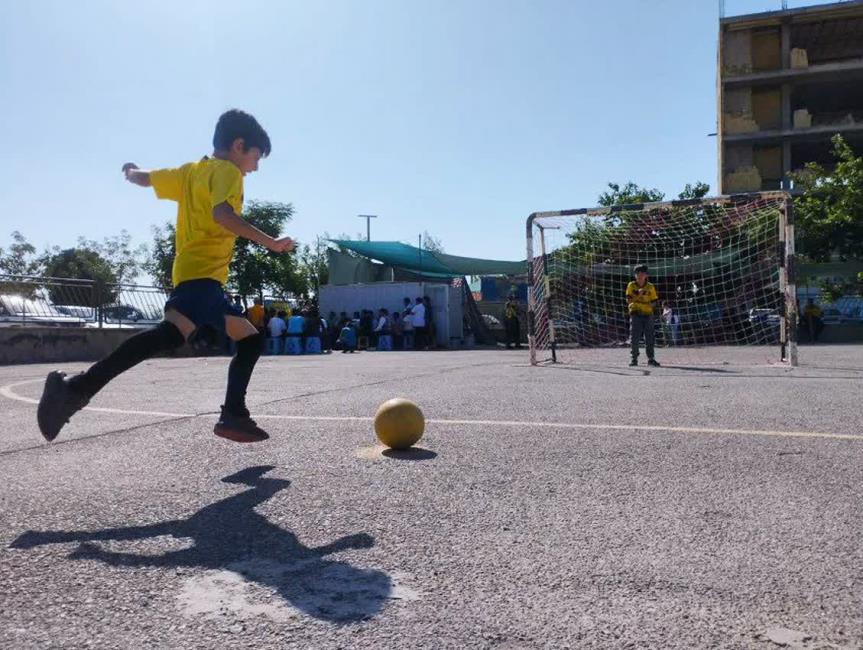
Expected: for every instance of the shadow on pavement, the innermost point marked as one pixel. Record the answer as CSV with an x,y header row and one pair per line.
x,y
414,453
230,534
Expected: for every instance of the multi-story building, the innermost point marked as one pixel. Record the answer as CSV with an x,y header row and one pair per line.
x,y
788,82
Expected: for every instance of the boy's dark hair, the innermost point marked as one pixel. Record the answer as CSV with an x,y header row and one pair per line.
x,y
235,124
641,268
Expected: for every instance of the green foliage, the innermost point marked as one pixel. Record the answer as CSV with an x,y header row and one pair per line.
x,y
20,257
124,260
312,264
255,269
159,263
829,213
432,244
697,191
629,194
831,291
80,264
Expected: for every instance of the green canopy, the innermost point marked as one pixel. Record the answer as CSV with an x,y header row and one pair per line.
x,y
411,258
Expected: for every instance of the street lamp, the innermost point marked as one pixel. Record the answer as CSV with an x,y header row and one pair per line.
x,y
368,218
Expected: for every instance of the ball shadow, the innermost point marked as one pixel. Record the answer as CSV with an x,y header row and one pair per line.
x,y
414,453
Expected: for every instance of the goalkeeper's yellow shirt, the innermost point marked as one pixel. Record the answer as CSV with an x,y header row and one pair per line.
x,y
204,248
642,297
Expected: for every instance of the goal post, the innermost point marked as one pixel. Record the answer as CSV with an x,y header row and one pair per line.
x,y
723,268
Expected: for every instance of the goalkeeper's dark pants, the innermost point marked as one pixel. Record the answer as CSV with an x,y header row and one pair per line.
x,y
641,326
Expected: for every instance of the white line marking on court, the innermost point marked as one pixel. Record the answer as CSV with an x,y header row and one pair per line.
x,y
8,392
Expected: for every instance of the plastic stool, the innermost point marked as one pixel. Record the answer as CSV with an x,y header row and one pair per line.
x,y
385,343
293,345
275,345
313,345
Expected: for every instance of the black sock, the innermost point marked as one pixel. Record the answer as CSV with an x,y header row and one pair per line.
x,y
240,372
131,352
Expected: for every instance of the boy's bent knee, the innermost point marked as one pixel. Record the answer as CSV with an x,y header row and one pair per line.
x,y
250,346
169,335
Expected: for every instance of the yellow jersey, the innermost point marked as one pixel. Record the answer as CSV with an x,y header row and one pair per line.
x,y
204,248
642,298
812,311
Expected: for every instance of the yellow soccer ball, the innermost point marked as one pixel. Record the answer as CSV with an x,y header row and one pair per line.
x,y
399,423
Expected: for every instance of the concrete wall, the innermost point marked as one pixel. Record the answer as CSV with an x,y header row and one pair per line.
x,y
737,52
64,344
58,344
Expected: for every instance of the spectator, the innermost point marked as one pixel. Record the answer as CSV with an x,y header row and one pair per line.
x,y
420,329
382,325
277,328
348,338
312,323
271,313
408,325
510,322
641,296
256,315
326,327
366,329
336,325
297,327
670,324
813,321
397,329
431,328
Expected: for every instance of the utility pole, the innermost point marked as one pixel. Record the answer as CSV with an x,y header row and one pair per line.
x,y
368,218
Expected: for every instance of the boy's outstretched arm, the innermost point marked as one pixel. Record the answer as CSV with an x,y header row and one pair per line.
x,y
224,215
135,175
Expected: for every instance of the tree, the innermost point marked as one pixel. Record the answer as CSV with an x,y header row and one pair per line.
x,y
432,244
629,194
20,257
312,264
124,260
80,264
255,269
829,212
697,191
159,262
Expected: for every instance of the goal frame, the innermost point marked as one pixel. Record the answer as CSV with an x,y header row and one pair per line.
x,y
787,277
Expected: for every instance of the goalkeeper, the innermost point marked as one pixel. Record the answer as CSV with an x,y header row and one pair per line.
x,y
641,296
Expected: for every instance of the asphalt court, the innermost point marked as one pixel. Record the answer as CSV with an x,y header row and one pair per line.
x,y
714,502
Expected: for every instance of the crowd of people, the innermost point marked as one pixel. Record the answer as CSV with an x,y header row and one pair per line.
x,y
408,327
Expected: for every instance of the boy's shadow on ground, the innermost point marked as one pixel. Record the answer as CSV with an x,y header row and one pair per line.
x,y
230,533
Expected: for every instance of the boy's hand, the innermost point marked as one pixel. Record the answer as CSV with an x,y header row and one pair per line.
x,y
128,168
283,245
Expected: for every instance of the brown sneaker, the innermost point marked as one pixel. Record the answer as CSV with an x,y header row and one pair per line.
x,y
239,428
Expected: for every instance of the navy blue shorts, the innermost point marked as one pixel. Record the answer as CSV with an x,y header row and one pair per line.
x,y
204,303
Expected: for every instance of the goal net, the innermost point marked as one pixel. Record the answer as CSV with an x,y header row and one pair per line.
x,y
721,268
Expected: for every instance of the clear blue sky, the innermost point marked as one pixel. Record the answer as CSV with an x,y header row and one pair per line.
x,y
458,117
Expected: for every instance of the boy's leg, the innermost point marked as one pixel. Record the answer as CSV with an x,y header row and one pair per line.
x,y
63,397
235,423
649,337
635,331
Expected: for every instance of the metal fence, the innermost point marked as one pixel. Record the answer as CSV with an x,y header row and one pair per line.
x,y
63,302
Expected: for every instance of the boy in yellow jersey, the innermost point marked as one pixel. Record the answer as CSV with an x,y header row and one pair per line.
x,y
209,194
641,296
